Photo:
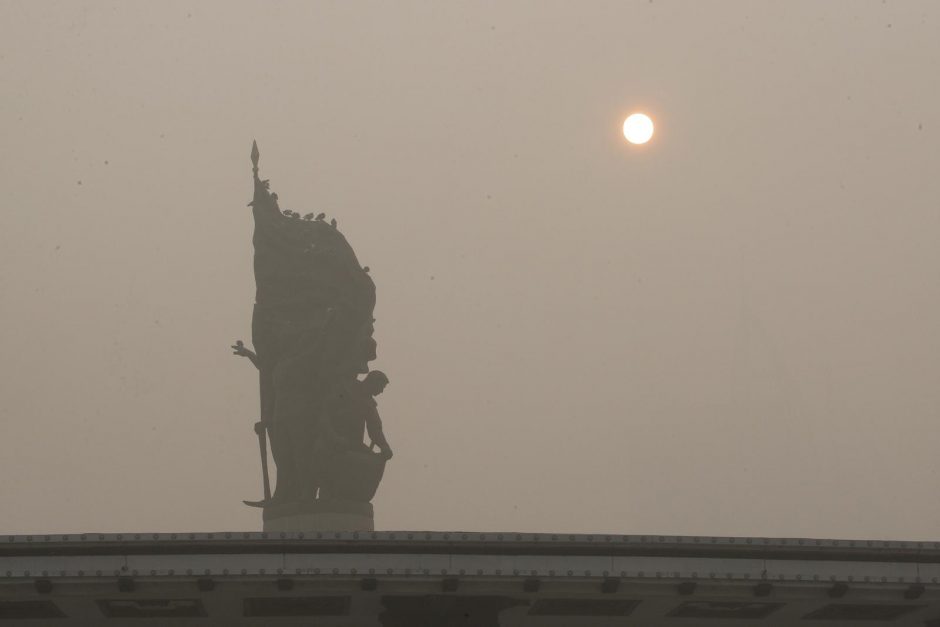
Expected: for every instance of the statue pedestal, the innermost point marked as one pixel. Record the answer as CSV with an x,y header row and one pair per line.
x,y
317,515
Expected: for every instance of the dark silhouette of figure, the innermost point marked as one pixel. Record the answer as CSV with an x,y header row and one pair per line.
x,y
373,385
347,468
312,331
353,412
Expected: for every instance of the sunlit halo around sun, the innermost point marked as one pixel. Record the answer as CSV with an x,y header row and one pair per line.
x,y
638,128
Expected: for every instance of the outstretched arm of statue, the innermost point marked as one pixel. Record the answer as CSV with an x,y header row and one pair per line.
x,y
239,348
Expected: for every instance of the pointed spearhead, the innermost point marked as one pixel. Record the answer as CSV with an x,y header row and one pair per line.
x,y
254,154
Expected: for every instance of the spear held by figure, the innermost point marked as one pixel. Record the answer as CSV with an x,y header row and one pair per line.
x,y
241,350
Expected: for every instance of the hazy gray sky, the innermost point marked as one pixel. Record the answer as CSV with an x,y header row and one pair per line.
x,y
734,330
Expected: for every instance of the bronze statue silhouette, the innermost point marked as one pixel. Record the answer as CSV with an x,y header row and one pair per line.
x,y
312,336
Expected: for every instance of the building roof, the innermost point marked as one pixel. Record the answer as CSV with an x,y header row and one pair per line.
x,y
465,578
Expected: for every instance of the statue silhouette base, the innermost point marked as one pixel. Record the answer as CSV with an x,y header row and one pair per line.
x,y
349,481
319,515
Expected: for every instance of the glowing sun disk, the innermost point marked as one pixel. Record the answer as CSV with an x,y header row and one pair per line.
x,y
638,128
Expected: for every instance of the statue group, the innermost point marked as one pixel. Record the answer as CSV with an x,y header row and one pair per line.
x,y
312,330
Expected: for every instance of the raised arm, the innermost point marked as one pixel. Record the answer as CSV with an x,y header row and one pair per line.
x,y
239,348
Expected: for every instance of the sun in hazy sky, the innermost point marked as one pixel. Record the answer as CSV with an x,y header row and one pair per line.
x,y
638,128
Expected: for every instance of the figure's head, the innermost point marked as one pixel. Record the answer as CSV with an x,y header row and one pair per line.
x,y
375,382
